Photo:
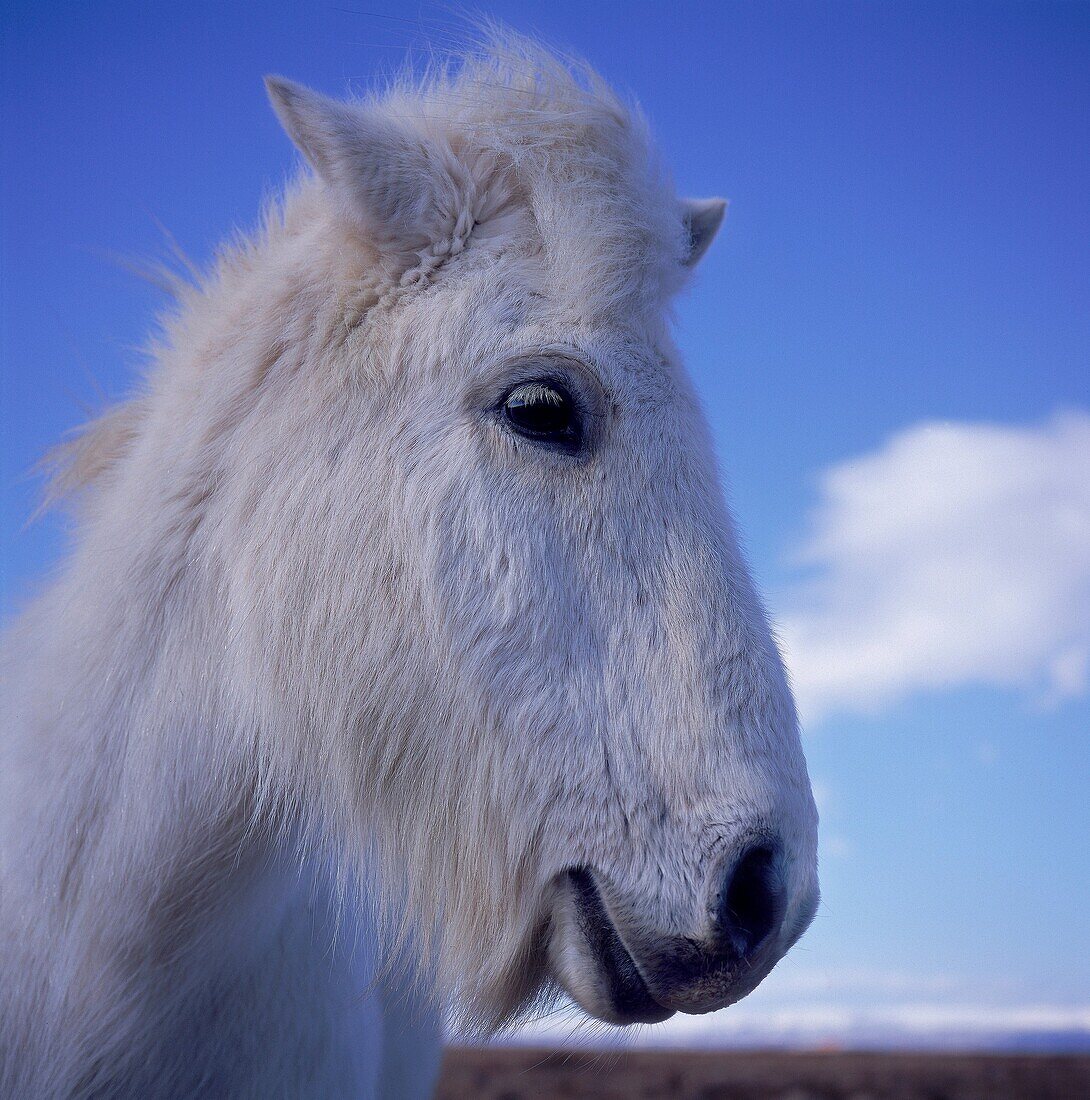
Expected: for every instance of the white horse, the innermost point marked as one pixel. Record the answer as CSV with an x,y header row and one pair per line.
x,y
405,667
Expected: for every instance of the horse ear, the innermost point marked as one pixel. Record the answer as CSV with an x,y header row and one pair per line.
x,y
702,218
388,179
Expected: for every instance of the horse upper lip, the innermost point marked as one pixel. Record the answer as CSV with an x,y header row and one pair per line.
x,y
632,1000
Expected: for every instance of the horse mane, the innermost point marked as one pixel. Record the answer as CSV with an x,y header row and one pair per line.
x,y
90,451
511,94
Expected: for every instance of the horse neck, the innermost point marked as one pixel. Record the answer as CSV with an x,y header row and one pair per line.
x,y
129,774
136,718
138,865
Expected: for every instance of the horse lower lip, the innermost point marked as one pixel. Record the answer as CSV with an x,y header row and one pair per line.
x,y
632,1001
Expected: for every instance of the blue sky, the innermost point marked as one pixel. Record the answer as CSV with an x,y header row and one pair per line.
x,y
892,339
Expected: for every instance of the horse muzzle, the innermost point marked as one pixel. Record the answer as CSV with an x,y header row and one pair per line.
x,y
622,971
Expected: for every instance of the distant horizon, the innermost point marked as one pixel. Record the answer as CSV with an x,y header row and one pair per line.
x,y
827,1027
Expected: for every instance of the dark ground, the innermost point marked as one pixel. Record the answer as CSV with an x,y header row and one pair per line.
x,y
492,1073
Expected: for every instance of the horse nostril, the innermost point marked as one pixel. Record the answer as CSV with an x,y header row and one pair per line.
x,y
751,902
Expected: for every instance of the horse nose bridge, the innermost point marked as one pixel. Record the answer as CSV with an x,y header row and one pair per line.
x,y
683,566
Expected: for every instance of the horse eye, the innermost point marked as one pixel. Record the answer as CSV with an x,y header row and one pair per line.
x,y
542,411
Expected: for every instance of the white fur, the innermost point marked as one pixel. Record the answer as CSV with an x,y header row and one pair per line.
x,y
340,674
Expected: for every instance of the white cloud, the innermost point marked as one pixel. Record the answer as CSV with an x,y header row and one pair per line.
x,y
923,1023
954,554
893,1024
802,1006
